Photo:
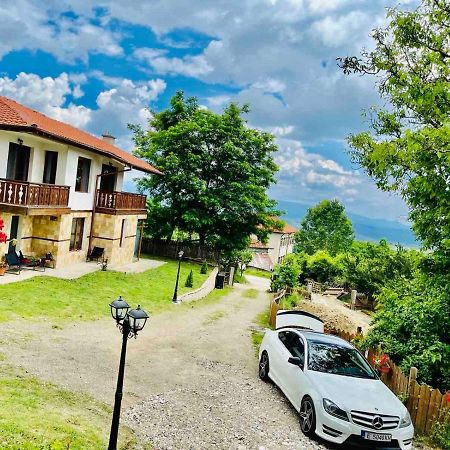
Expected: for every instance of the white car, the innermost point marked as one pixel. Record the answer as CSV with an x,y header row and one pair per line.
x,y
329,382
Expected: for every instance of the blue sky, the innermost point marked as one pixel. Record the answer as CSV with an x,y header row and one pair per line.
x,y
100,65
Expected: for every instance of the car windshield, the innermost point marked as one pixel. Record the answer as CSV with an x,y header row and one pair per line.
x,y
338,360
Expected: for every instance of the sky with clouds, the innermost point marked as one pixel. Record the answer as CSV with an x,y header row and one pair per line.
x,y
101,64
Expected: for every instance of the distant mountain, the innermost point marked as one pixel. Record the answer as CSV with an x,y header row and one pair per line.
x,y
366,228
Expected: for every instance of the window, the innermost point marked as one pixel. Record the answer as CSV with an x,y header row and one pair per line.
x,y
83,172
122,233
293,343
76,236
18,162
51,162
337,359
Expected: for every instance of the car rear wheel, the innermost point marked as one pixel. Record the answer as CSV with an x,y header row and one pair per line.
x,y
264,366
307,417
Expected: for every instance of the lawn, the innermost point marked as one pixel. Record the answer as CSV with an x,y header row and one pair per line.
x,y
38,415
257,272
87,297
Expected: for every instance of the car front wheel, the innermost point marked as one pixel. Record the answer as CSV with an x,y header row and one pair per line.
x,y
307,417
264,366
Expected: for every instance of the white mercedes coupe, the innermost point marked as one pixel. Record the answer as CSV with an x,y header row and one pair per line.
x,y
329,382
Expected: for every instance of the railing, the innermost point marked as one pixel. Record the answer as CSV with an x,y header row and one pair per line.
x,y
23,193
110,202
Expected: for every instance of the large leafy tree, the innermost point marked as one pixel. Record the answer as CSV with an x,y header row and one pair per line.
x,y
407,149
325,227
216,174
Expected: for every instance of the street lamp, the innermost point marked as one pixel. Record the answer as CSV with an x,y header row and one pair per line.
x,y
175,292
130,322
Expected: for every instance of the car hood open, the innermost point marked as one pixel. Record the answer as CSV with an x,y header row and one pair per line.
x,y
358,394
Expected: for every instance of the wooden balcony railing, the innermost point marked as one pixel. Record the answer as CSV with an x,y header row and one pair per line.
x,y
123,202
23,193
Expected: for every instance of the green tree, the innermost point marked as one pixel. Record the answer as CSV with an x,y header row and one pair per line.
x,y
325,227
286,275
204,267
408,147
216,174
244,258
190,279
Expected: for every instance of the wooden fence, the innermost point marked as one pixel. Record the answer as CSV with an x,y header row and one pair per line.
x,y
425,404
170,249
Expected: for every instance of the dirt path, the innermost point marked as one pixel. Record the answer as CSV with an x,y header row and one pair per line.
x,y
336,314
191,378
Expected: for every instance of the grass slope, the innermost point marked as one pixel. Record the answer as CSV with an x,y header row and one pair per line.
x,y
87,297
38,415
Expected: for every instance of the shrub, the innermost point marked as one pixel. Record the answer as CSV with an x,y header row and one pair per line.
x,y
286,275
204,268
322,267
190,279
441,434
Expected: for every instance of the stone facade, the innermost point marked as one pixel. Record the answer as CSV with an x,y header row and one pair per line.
x,y
38,235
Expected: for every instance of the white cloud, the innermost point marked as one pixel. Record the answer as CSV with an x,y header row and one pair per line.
x,y
270,85
126,102
190,66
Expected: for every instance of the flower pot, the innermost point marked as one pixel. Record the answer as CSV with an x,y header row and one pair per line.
x,y
2,271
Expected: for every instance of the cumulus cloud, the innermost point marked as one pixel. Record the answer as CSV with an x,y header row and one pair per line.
x,y
126,101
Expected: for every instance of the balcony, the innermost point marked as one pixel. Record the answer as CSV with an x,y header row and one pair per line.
x,y
33,198
120,203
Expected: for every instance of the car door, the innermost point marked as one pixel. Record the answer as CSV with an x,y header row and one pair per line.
x,y
293,376
278,358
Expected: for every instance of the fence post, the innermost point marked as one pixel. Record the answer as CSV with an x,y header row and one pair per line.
x,y
353,299
412,379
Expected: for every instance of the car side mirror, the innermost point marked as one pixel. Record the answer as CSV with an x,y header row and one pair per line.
x,y
296,361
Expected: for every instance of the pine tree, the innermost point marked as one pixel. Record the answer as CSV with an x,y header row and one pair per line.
x,y
204,268
190,280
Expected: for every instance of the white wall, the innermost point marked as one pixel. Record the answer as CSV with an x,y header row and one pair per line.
x,y
67,165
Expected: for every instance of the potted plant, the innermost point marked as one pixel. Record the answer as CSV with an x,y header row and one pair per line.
x,y
3,266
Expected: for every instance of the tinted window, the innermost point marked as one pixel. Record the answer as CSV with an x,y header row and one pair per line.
x,y
293,343
339,360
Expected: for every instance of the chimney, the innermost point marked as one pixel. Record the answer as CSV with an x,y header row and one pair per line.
x,y
108,137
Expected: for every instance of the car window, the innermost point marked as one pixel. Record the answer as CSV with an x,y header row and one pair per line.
x,y
337,359
293,343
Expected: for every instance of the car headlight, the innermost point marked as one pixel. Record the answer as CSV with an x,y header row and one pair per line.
x,y
334,410
406,421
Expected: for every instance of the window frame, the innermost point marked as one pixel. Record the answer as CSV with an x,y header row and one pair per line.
x,y
77,234
82,179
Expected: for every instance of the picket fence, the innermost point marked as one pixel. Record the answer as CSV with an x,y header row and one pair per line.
x,y
426,405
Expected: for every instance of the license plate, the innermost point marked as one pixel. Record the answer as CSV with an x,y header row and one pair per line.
x,y
380,437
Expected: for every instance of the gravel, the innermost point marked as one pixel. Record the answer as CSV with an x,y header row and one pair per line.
x,y
220,410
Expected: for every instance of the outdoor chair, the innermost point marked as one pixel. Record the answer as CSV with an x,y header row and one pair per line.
x,y
96,254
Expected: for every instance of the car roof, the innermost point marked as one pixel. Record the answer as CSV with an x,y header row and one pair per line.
x,y
315,336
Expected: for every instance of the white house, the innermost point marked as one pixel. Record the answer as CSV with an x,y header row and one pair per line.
x,y
279,244
61,189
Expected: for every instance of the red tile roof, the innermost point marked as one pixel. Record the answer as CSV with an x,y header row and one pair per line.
x,y
13,115
287,229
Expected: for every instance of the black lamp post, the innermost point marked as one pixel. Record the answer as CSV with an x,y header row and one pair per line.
x,y
129,322
175,292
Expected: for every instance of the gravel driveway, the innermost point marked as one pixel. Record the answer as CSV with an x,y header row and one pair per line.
x,y
191,379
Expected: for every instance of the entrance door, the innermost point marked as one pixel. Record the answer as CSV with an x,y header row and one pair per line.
x,y
13,233
108,182
18,162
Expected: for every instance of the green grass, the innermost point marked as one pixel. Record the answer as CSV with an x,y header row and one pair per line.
x,y
262,320
240,279
214,317
87,297
250,293
258,272
37,415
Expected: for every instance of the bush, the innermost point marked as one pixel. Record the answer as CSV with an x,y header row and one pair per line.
x,y
322,267
204,268
190,279
411,322
441,434
286,275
